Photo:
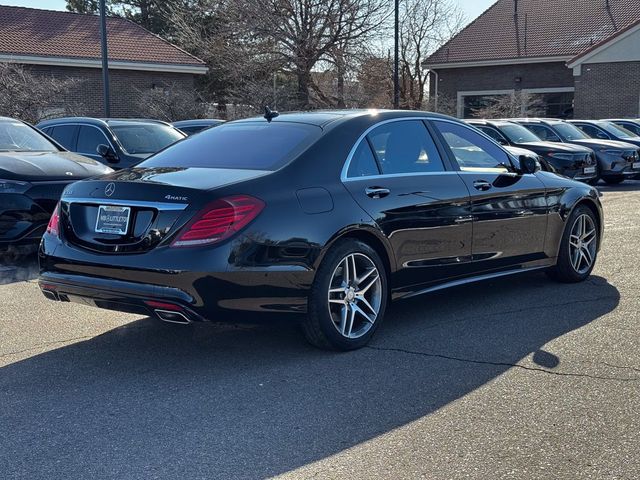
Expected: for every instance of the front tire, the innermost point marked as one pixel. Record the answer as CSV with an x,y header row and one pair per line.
x,y
578,248
348,297
613,180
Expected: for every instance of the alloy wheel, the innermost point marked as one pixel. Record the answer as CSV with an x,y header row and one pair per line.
x,y
582,244
355,295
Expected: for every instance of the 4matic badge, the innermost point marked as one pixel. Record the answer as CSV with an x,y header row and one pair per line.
x,y
175,197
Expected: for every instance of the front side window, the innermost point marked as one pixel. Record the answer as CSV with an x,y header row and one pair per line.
x,y
617,130
88,140
632,127
17,137
544,132
471,150
593,132
493,133
405,147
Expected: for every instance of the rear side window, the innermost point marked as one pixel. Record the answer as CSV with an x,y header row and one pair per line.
x,y
405,147
363,163
252,146
472,150
88,140
64,135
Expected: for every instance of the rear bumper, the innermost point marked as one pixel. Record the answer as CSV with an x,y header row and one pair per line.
x,y
201,284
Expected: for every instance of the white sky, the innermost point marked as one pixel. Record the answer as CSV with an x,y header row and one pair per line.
x,y
471,8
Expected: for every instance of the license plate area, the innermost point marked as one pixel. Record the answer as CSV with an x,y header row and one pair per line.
x,y
113,219
636,166
590,170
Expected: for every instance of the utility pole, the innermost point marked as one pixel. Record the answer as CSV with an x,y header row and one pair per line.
x,y
105,59
396,60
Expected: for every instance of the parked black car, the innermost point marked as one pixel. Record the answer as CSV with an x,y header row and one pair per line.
x,y
121,143
631,125
330,214
197,125
616,160
33,172
572,161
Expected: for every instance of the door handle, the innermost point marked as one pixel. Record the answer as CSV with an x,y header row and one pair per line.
x,y
377,192
482,185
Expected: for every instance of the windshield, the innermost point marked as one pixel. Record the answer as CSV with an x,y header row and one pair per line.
x,y
17,137
617,130
570,132
253,146
145,138
518,134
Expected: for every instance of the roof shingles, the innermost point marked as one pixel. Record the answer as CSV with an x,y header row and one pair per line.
x,y
47,33
541,28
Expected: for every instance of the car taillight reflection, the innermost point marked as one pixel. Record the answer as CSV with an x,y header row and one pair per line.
x,y
219,220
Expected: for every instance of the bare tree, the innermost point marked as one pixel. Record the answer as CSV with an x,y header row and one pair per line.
x,y
300,33
171,103
424,26
509,106
32,99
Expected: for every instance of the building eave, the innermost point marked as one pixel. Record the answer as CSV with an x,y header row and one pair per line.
x,y
591,52
497,62
97,63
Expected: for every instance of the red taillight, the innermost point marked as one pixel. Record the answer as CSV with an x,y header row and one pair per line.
x,y
54,221
219,220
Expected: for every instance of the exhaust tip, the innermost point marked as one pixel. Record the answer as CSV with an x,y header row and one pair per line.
x,y
172,316
50,294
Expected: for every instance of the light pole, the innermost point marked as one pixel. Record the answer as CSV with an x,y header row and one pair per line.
x,y
105,59
396,61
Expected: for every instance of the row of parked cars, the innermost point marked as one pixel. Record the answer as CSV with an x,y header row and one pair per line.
x,y
37,163
585,150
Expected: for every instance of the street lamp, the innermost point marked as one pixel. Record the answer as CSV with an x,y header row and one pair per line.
x,y
396,62
105,59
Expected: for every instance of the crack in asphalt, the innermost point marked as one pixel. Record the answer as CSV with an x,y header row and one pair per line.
x,y
502,364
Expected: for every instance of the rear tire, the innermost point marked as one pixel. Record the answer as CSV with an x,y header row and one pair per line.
x,y
578,247
613,180
348,297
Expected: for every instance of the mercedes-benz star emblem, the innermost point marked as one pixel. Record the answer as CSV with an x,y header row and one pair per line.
x,y
109,189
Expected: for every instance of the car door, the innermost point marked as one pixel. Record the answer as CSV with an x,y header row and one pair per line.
x,y
509,209
399,177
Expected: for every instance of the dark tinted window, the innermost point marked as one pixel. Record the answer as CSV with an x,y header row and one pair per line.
x,y
363,163
471,149
405,147
145,138
88,140
254,146
192,130
493,133
544,132
593,132
632,127
64,134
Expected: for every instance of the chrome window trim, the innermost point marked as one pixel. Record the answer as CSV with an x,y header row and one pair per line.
x,y
126,203
343,174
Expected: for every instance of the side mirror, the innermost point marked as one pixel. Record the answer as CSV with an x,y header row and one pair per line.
x,y
107,153
529,164
503,142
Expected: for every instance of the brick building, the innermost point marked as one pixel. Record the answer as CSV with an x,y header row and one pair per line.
x,y
581,58
67,45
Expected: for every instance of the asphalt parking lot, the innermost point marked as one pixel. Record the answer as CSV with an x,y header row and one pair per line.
x,y
517,378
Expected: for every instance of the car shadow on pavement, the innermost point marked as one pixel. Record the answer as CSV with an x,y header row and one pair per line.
x,y
150,400
19,268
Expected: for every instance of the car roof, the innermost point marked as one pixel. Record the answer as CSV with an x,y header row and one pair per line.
x,y
197,121
548,121
632,120
323,118
494,123
100,121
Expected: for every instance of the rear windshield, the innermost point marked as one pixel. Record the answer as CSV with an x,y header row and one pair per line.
x,y
145,138
251,146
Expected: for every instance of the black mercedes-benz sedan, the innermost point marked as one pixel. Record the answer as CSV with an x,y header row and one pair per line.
x,y
33,172
325,214
572,161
